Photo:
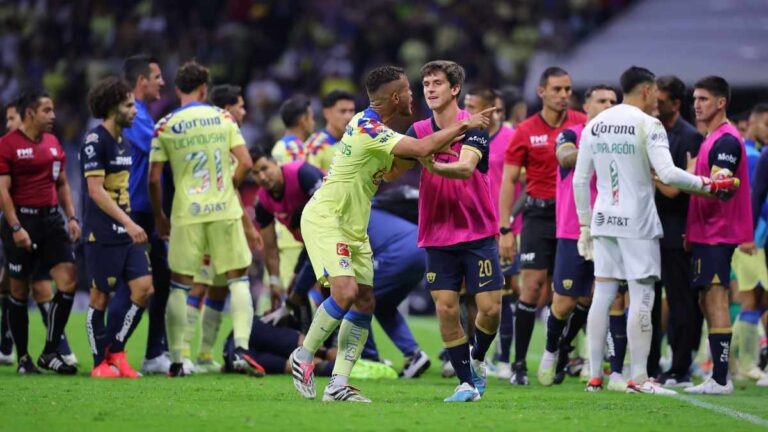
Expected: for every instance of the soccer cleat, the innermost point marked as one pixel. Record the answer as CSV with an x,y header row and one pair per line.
x,y
616,382
176,370
53,361
752,374
649,387
547,369
157,365
415,365
119,361
27,366
189,367
479,375
243,362
594,385
6,359
303,376
69,359
205,365
669,379
575,366
519,374
711,387
104,370
464,392
562,362
763,382
344,393
503,370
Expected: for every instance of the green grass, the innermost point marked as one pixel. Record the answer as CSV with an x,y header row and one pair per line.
x,y
218,403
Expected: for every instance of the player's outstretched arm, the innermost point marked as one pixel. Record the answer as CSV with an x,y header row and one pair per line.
x,y
109,206
409,147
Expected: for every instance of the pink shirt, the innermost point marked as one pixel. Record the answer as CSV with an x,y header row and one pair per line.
x,y
565,205
712,221
496,153
453,211
293,198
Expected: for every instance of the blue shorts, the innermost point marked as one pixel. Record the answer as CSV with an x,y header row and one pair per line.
x,y
573,275
109,264
508,267
475,264
711,264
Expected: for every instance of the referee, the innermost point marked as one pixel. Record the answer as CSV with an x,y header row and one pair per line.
x,y
32,182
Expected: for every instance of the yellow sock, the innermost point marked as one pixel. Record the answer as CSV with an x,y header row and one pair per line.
x,y
209,332
193,314
176,320
242,310
353,333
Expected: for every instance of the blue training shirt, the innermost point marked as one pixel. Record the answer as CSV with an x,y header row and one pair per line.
x,y
139,137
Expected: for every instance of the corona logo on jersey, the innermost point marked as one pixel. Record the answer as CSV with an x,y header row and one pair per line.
x,y
182,126
600,128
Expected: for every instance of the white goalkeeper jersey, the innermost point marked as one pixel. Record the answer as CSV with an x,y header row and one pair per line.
x,y
621,145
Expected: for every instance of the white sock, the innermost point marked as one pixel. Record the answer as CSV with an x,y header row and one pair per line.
x,y
597,324
547,359
639,327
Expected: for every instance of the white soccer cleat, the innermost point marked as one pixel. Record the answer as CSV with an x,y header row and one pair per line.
x,y
415,365
616,383
546,371
7,359
763,382
649,387
711,387
303,376
344,393
464,393
206,365
503,371
70,359
188,366
158,365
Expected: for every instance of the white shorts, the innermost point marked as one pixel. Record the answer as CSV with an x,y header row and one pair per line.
x,y
627,258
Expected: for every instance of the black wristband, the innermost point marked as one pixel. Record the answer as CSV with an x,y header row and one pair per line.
x,y
505,230
74,218
16,227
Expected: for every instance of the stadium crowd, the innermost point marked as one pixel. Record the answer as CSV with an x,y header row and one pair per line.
x,y
516,242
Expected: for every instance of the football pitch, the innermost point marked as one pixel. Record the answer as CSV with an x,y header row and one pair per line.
x,y
216,402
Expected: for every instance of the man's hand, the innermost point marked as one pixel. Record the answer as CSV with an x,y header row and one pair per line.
x,y
690,164
274,317
748,248
163,227
481,120
584,245
22,240
255,242
136,233
507,246
276,291
73,226
721,187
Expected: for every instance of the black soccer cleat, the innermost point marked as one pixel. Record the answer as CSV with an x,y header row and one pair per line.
x,y
562,362
27,366
176,370
519,373
53,361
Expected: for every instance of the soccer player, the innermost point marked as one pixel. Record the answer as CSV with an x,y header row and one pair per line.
x,y
32,183
620,146
299,121
711,230
685,319
335,221
196,140
338,109
114,243
457,226
533,148
476,100
573,275
40,284
144,75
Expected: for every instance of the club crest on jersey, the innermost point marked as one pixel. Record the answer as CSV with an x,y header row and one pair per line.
x,y
431,277
567,283
342,249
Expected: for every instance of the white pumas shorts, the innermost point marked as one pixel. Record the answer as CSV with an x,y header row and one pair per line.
x,y
627,258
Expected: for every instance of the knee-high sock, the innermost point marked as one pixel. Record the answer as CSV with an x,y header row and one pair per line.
x,y
130,319
63,348
745,333
242,310
18,321
212,315
352,335
6,341
506,327
597,324
176,320
719,347
483,340
327,318
161,280
193,315
458,353
639,327
97,334
618,338
555,327
58,315
525,319
575,323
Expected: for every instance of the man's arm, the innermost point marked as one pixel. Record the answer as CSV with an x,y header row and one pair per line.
x,y
9,209
99,195
399,167
162,225
408,147
65,199
461,169
759,187
565,148
244,164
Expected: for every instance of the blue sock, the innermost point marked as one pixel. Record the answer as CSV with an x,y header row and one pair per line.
x,y
618,329
116,308
97,334
555,328
194,301
130,319
506,327
217,305
459,356
720,347
483,341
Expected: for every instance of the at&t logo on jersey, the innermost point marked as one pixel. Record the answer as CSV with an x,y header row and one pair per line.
x,y
538,140
617,221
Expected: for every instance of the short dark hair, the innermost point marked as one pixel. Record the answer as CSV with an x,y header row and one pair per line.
x,y
672,85
634,76
510,96
716,85
760,108
452,70
30,99
225,94
380,76
258,152
190,76
487,94
336,95
594,88
107,94
136,66
552,71
292,110
13,103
